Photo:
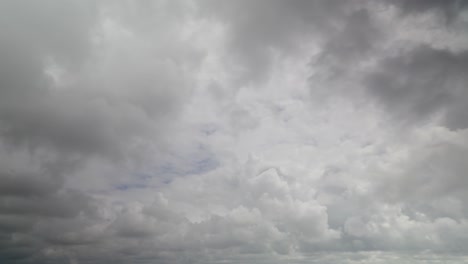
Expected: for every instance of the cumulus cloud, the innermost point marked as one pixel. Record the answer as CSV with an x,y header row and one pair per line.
x,y
234,132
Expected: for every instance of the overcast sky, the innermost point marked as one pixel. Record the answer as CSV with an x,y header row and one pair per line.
x,y
233,131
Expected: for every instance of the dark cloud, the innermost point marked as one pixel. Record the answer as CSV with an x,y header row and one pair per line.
x,y
421,82
33,34
62,105
257,29
104,108
34,204
27,185
345,50
355,39
450,9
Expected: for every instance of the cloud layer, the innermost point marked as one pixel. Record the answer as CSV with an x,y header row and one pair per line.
x,y
235,132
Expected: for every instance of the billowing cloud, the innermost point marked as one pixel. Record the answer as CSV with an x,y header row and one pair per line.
x,y
234,132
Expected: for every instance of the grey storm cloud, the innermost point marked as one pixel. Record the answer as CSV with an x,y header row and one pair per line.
x,y
449,9
422,82
259,28
233,131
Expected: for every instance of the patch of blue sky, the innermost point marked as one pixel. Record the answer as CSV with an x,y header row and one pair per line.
x,y
203,165
196,165
200,160
128,186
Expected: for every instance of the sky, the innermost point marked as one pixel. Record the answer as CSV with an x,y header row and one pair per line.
x,y
246,131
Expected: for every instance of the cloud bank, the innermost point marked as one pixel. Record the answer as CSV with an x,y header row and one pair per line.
x,y
233,132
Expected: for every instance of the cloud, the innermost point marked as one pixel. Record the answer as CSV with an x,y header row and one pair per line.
x,y
256,30
450,9
246,131
422,82
72,103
